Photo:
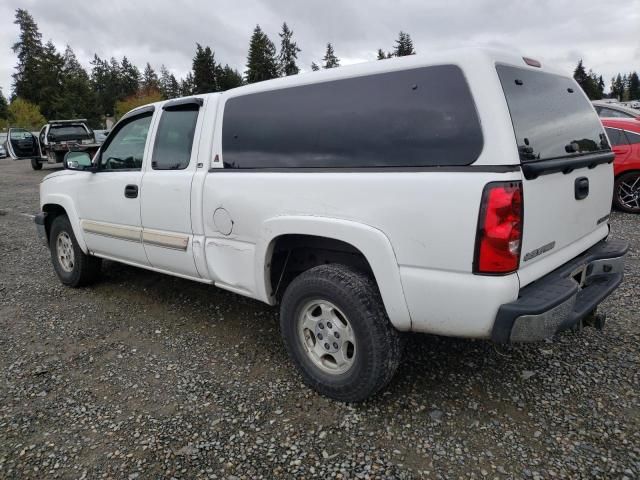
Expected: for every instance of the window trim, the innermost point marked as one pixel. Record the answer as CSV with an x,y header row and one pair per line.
x,y
125,120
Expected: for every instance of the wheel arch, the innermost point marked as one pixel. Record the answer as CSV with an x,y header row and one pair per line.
x,y
357,238
55,205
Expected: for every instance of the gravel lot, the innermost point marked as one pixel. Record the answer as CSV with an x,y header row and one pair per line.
x,y
148,376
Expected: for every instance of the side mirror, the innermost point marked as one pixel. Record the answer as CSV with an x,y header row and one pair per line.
x,y
77,161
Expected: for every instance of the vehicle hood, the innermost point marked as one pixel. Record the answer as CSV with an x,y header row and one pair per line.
x,y
59,174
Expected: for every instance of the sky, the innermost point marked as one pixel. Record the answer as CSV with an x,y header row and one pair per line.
x,y
165,32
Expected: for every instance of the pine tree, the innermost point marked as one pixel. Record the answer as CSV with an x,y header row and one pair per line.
x,y
330,59
617,87
29,50
150,80
625,88
381,55
174,87
404,45
204,70
262,63
288,52
164,81
228,78
4,106
129,76
50,81
187,85
314,67
634,86
78,98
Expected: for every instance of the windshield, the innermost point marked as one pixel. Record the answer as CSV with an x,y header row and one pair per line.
x,y
67,131
550,115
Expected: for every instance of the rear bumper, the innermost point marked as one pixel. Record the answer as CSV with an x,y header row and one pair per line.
x,y
564,297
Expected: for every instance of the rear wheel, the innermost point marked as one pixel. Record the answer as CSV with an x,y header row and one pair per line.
x,y
336,331
73,267
626,194
35,164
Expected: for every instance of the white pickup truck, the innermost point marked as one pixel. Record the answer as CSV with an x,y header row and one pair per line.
x,y
465,194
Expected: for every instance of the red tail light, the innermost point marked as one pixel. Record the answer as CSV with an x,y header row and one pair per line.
x,y
499,236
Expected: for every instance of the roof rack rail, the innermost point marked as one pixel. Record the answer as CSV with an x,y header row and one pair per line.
x,y
73,120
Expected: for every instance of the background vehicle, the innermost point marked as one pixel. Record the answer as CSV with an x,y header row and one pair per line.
x,y
3,151
100,135
615,110
445,194
624,135
22,144
58,137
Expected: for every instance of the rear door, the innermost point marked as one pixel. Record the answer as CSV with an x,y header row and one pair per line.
x,y
166,188
22,144
566,162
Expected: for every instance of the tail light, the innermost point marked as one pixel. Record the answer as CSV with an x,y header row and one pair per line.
x,y
499,235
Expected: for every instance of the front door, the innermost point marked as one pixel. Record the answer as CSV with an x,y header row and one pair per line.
x,y
22,144
166,189
109,201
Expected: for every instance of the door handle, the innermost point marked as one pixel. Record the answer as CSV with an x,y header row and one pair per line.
x,y
131,191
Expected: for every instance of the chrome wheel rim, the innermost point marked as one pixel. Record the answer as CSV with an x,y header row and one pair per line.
x,y
64,250
629,193
327,337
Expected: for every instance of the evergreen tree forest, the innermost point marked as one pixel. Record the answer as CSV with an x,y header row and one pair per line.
x,y
52,84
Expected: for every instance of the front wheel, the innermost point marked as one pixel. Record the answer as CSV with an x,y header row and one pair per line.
x,y
73,267
35,164
336,331
626,195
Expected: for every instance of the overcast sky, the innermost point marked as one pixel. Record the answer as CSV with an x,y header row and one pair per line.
x,y
606,35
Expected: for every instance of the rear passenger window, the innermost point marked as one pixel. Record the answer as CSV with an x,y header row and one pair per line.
x,y
616,136
411,118
174,138
632,137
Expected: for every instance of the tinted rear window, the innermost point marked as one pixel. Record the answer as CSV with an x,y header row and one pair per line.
x,y
67,130
418,117
550,115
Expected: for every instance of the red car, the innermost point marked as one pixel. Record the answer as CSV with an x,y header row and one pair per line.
x,y
624,134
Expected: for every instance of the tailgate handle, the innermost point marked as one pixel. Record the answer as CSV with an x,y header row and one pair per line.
x,y
582,188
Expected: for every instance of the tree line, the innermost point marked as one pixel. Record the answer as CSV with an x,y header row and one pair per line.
x,y
48,84
624,87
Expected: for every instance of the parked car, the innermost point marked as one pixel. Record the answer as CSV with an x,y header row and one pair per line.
x,y
465,194
3,151
22,143
624,135
100,135
615,110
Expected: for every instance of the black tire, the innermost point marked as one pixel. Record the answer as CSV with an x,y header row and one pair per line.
x,y
85,269
626,192
35,164
377,343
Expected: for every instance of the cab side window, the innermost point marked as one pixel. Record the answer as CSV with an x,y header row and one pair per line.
x,y
174,139
125,150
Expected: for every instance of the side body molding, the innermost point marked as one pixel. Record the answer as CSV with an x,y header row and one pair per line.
x,y
66,202
373,244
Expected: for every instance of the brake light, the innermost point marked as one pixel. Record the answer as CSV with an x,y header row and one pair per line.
x,y
499,234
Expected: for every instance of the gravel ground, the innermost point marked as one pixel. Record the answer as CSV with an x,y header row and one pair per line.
x,y
148,376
